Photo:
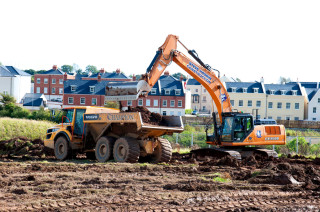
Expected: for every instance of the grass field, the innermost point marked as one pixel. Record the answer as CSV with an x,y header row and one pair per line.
x,y
11,128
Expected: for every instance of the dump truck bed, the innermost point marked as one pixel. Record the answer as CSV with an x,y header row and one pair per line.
x,y
131,123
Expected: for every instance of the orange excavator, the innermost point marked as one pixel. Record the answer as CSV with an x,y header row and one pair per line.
x,y
233,131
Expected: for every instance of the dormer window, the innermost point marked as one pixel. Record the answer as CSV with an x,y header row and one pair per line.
x,y
283,92
92,89
244,90
153,91
255,90
271,92
294,92
177,92
233,90
167,92
73,87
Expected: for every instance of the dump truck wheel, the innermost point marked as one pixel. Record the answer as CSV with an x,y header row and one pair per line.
x,y
61,148
103,150
162,153
126,150
91,155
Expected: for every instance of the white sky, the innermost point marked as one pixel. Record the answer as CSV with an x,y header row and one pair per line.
x,y
247,39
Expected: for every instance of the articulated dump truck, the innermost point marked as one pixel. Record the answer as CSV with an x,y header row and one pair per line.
x,y
104,134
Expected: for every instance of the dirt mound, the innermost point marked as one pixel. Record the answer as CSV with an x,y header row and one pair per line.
x,y
147,116
22,146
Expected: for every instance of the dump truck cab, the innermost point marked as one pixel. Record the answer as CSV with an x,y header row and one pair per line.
x,y
106,133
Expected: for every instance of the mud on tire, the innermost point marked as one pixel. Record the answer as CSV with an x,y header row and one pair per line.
x,y
126,150
162,153
104,147
61,148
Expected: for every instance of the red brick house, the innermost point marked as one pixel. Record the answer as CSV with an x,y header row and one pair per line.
x,y
50,83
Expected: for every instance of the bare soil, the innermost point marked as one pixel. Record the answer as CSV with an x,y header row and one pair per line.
x,y
147,116
185,184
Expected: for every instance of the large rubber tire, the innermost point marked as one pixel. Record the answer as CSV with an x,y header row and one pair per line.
x,y
104,147
162,153
126,150
61,148
91,155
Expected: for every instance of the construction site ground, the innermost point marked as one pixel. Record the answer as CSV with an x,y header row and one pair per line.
x,y
185,184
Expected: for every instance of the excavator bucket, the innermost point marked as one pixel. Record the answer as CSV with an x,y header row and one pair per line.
x,y
121,91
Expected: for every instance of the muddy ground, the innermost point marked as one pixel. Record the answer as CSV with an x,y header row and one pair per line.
x,y
185,184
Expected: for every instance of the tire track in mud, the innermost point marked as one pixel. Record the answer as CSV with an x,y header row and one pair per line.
x,y
237,201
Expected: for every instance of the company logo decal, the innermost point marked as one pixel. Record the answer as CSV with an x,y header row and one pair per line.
x,y
258,134
89,117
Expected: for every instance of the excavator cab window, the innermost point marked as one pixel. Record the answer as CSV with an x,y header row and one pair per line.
x,y
239,128
227,129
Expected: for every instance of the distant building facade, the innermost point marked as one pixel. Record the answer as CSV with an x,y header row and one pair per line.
x,y
14,82
313,93
50,83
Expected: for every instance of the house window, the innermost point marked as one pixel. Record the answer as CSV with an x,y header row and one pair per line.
x,y
38,80
314,119
53,81
271,92
73,88
179,103
318,100
288,105
70,100
140,102
232,102
196,90
171,103
269,117
45,80
296,106
255,90
294,93
45,90
204,99
148,102
92,89
53,90
82,100
240,103
94,101
171,113
164,103
270,105
296,118
283,92
178,92
5,92
314,110
38,89
244,90
233,90
60,90
60,81
249,103
204,108
153,91
129,102
204,90
167,92
279,118
279,105
287,118
164,113
155,103
258,103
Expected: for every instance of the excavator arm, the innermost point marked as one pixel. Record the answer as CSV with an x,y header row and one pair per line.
x,y
198,70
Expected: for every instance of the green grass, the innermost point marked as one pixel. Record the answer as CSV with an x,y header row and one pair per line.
x,y
11,128
182,150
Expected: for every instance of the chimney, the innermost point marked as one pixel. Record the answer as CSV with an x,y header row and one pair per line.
x,y
65,76
102,71
134,78
181,78
54,67
262,80
118,71
99,77
166,73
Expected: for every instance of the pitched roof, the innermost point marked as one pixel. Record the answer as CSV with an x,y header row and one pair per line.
x,y
170,83
112,75
240,85
10,71
193,82
32,102
287,88
54,72
83,87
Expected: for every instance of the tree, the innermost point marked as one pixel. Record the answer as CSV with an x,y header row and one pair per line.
x,y
67,69
92,69
238,80
30,71
6,99
112,105
178,74
79,71
284,80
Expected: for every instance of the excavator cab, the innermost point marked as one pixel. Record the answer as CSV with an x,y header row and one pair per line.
x,y
235,127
